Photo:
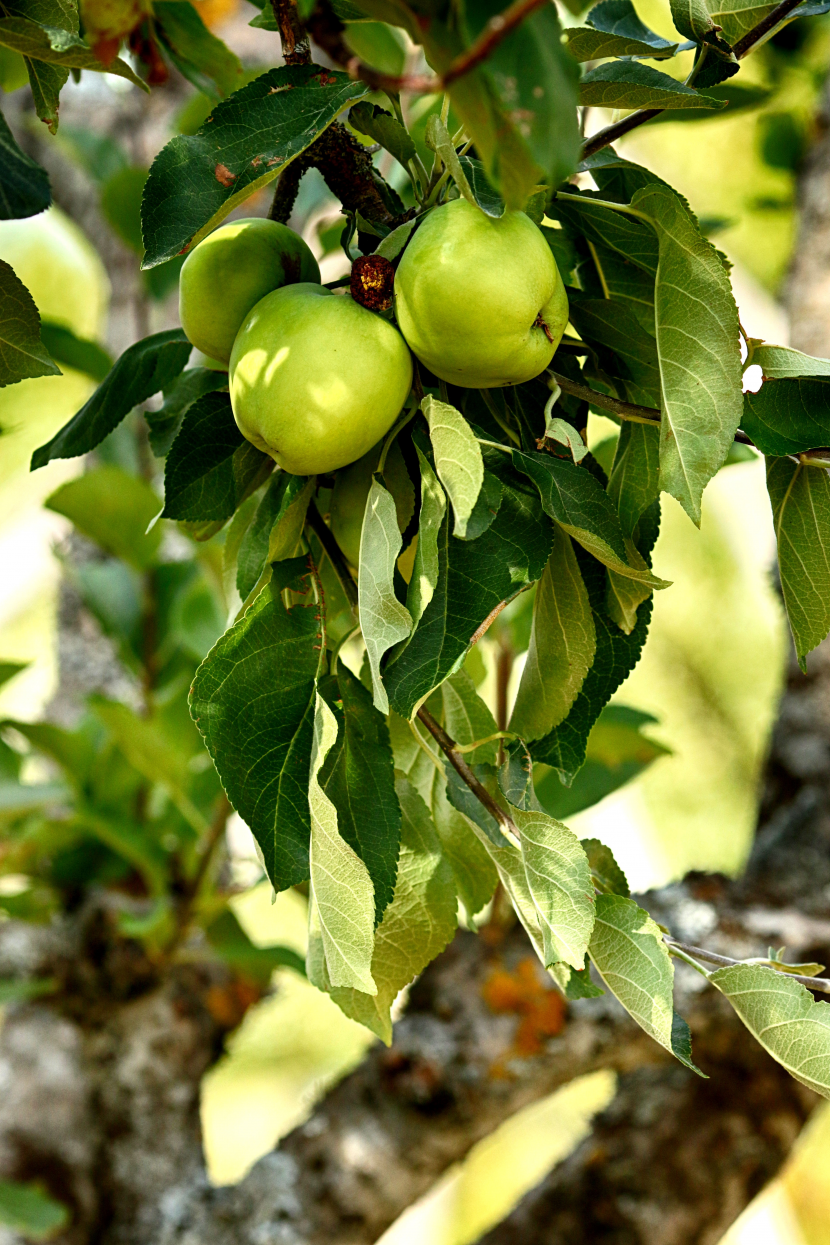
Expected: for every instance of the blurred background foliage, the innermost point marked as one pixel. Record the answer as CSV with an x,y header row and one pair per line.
x,y
674,762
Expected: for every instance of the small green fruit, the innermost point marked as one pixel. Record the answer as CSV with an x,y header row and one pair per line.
x,y
316,379
230,271
478,298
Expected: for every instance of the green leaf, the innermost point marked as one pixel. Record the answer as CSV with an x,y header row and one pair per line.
x,y
46,83
75,352
358,778
9,669
606,874
698,347
22,353
248,140
613,29
142,370
800,499
230,942
148,749
121,204
781,362
165,423
424,578
737,96
438,140
20,990
474,872
628,950
468,719
617,325
383,620
276,528
534,80
474,579
784,1017
198,55
632,239
629,84
634,483
575,983
113,508
59,48
458,458
24,185
27,1209
253,701
211,468
616,655
343,899
559,882
99,155
391,246
382,127
417,925
488,199
562,645
577,501
788,416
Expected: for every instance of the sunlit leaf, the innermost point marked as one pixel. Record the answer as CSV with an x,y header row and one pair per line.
x,y
22,353
458,458
383,620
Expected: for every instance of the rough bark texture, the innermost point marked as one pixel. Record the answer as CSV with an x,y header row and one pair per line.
x,y
808,292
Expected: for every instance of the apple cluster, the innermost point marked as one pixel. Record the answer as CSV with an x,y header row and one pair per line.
x,y
317,379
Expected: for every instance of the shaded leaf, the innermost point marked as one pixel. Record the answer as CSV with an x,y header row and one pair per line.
x,y
343,899
195,181
76,352
784,1017
24,185
142,370
22,353
474,579
562,645
458,458
780,362
468,719
179,396
628,950
606,874
198,55
383,620
634,483
26,1208
253,701
358,778
276,528
424,578
230,942
381,126
788,416
800,498
60,49
211,468
417,925
113,508
630,84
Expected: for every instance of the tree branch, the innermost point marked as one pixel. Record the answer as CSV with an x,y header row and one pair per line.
x,y
294,37
449,747
726,961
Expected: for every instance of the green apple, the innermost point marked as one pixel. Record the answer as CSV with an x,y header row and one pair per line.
x,y
478,298
316,379
230,271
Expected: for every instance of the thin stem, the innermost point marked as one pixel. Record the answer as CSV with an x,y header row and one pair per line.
x,y
726,961
332,551
625,410
495,445
449,748
479,743
425,746
768,23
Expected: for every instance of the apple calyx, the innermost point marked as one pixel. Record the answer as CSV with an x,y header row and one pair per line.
x,y
372,282
539,323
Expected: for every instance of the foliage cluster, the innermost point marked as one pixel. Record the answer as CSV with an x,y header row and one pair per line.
x,y
339,710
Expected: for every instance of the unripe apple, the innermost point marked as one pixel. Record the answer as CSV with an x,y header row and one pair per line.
x,y
230,271
316,379
478,298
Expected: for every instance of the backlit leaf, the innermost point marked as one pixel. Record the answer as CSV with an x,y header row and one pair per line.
x,y
112,507
698,339
25,1208
559,881
416,926
628,950
562,645
458,458
630,84
612,28
343,897
784,1017
800,499
780,362
381,126
383,620
275,530
59,49
788,416
424,578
